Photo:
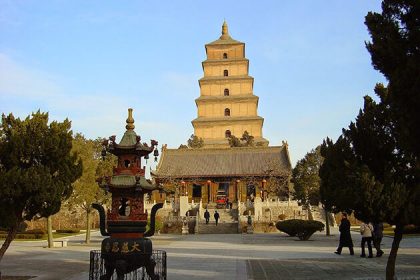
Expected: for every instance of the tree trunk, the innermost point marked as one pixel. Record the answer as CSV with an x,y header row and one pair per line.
x,y
310,216
11,234
327,223
390,266
50,235
88,222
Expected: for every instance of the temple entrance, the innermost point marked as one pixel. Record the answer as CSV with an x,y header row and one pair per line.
x,y
196,192
224,187
250,192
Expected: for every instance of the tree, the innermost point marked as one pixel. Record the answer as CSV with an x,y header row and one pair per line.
x,y
377,158
234,141
305,177
367,172
37,169
85,189
246,140
277,178
195,142
395,52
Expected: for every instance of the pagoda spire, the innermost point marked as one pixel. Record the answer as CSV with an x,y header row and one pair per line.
x,y
130,120
225,32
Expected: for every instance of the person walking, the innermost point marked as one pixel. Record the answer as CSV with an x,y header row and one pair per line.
x,y
378,234
207,216
216,217
366,230
345,236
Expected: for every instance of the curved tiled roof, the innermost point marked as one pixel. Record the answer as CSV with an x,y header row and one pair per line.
x,y
223,162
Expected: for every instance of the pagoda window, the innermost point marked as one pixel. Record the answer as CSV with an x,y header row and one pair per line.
x,y
127,163
227,112
226,92
228,134
225,73
225,56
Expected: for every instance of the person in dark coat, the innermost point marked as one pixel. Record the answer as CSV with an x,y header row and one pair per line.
x,y
216,216
345,236
207,216
378,234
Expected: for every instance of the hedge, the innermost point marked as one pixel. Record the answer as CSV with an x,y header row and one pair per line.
x,y
36,231
69,230
301,228
25,236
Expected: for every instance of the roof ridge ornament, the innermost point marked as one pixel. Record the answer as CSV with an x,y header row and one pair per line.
x,y
130,120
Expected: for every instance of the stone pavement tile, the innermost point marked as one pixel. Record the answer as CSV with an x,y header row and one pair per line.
x,y
336,268
223,256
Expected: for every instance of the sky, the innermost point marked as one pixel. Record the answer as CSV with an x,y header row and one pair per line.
x,y
91,60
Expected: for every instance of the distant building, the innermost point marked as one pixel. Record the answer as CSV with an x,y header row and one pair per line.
x,y
226,107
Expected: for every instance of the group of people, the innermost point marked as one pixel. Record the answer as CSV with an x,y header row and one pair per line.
x,y
370,233
207,216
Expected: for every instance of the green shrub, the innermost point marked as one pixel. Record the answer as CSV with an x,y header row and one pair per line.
x,y
25,236
411,229
36,231
69,230
301,228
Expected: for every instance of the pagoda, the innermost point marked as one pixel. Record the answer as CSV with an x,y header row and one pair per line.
x,y
226,106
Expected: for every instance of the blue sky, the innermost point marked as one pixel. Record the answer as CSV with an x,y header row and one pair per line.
x,y
91,60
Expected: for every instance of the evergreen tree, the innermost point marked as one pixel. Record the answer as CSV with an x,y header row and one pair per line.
x,y
305,178
395,52
368,173
373,169
37,169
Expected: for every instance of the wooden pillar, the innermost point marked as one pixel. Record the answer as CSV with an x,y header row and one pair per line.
x,y
208,190
263,192
236,190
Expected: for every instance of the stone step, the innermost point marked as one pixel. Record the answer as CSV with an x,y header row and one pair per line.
x,y
221,228
226,215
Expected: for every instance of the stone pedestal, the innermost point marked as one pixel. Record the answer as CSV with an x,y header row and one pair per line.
x,y
184,226
249,229
183,205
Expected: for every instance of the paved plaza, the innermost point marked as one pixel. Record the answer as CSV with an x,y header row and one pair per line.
x,y
227,256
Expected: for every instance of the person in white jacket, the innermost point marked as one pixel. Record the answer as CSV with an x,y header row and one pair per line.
x,y
366,231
